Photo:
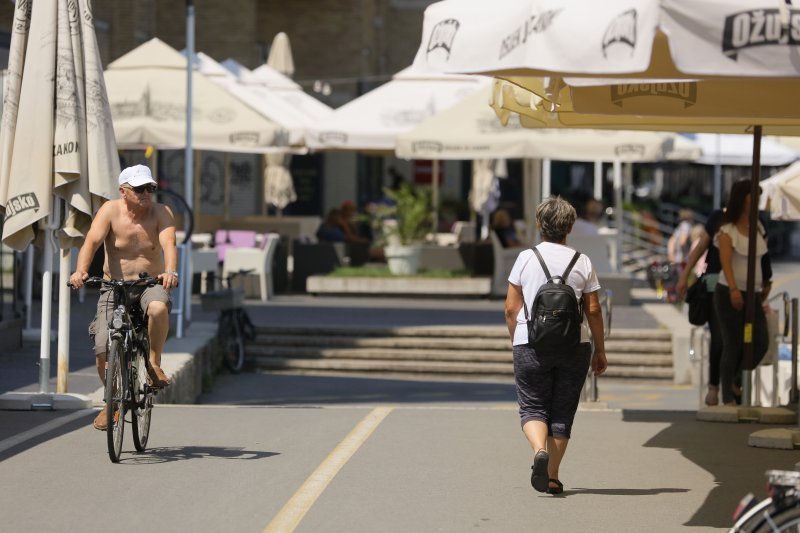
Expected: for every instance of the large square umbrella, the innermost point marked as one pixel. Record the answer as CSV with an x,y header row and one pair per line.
x,y
59,158
659,56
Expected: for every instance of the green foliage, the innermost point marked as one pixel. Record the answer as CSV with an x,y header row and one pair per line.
x,y
411,213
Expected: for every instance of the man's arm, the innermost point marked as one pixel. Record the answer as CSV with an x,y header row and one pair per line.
x,y
166,238
101,224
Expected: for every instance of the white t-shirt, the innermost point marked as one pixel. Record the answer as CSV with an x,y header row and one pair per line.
x,y
528,273
739,257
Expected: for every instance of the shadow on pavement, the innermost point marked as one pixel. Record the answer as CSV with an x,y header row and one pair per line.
x,y
182,453
721,449
622,492
286,389
15,423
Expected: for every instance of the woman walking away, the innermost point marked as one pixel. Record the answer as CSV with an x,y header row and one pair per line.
x,y
732,239
549,380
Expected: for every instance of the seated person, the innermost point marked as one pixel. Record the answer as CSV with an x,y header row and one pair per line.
x,y
504,229
331,228
355,230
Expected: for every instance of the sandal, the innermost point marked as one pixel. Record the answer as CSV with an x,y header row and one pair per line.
x,y
558,489
539,477
712,396
155,381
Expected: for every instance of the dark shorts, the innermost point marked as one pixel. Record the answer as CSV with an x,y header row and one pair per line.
x,y
98,329
549,385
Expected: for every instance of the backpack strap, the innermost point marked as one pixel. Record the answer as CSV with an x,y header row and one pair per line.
x,y
569,267
544,266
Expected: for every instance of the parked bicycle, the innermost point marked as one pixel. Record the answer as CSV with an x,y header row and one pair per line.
x,y
127,364
779,512
234,324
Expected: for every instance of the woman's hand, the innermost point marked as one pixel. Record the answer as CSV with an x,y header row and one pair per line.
x,y
599,362
736,299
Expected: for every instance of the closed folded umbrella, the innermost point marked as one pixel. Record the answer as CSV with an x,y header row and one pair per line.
x,y
278,183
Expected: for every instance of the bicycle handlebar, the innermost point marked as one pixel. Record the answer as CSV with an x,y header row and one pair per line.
x,y
96,281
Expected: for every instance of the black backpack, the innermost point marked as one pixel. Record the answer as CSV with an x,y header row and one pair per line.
x,y
556,314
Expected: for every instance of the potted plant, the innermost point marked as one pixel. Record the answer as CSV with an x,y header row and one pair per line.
x,y
404,225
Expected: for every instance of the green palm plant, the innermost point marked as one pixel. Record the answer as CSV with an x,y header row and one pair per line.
x,y
411,214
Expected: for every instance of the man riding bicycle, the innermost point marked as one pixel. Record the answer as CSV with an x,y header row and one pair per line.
x,y
139,236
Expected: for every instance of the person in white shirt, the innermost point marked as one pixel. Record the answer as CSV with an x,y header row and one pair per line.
x,y
549,384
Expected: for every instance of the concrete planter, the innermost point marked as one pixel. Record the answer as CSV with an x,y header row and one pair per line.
x,y
403,260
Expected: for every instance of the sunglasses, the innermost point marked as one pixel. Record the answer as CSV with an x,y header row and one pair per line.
x,y
142,188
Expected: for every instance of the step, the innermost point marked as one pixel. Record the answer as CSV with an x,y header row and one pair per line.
x,y
333,366
439,331
452,356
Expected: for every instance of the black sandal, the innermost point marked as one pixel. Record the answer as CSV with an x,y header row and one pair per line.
x,y
557,489
539,475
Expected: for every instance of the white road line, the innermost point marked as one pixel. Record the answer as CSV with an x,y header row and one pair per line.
x,y
298,505
42,429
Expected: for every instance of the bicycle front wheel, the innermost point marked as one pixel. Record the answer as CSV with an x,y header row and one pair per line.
x,y
232,342
143,398
115,400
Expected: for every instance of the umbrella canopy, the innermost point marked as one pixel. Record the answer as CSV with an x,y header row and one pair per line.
x,y
146,90
470,130
738,150
373,121
280,55
258,97
281,86
278,184
781,193
57,135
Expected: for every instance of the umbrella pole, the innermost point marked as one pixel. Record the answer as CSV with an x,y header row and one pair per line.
x,y
47,309
617,166
435,196
65,266
750,303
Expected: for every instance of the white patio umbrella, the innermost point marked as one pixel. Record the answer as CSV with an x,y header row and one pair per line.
x,y
733,59
278,184
59,156
280,55
373,121
781,193
146,90
282,86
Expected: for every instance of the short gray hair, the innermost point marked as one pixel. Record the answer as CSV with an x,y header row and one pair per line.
x,y
555,218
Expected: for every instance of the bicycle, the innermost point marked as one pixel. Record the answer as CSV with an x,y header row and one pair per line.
x,y
234,324
779,512
127,362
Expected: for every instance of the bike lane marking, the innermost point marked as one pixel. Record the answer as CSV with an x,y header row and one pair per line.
x,y
301,501
32,433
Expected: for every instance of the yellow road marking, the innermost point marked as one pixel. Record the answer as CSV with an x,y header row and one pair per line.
x,y
301,501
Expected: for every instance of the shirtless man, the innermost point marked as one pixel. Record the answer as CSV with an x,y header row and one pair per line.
x,y
139,236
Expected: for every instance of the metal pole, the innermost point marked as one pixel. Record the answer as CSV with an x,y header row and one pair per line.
x,y
750,301
47,309
598,180
718,175
435,195
617,166
546,168
186,293
793,395
29,258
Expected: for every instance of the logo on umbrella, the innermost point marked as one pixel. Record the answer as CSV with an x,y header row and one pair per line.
x,y
621,30
685,91
759,27
442,36
21,203
426,146
536,23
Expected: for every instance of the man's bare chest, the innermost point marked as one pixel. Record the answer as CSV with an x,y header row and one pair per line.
x,y
134,237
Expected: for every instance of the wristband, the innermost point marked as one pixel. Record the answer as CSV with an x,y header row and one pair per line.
x,y
172,272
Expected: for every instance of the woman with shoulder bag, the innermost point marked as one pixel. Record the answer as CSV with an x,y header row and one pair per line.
x,y
549,382
732,239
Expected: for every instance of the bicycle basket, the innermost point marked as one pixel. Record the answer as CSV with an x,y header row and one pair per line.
x,y
222,300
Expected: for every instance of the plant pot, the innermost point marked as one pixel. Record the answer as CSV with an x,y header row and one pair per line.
x,y
403,260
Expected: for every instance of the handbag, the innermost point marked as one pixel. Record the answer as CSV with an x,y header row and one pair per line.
x,y
699,304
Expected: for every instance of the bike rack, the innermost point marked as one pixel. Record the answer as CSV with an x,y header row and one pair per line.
x,y
700,355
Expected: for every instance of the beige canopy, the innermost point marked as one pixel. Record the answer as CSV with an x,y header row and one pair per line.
x,y
147,93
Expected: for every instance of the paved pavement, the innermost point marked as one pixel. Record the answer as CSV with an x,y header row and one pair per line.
x,y
448,456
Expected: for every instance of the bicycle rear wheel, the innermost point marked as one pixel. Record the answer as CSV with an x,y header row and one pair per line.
x,y
143,398
786,519
115,400
232,342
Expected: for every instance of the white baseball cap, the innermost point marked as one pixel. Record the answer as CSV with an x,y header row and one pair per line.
x,y
136,175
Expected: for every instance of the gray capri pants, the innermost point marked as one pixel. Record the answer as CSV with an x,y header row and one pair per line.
x,y
98,329
549,385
